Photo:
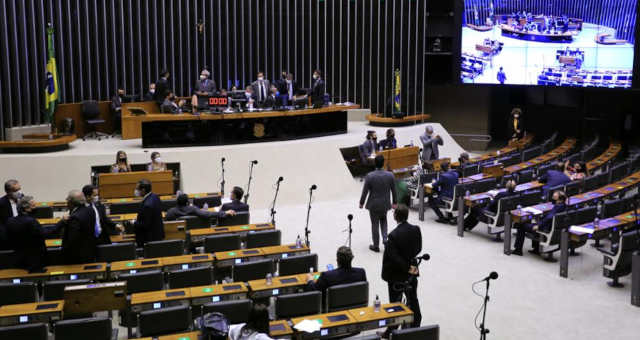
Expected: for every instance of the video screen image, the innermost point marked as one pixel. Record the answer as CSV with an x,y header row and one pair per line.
x,y
586,43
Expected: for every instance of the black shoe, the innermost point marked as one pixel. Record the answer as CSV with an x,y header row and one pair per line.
x,y
516,252
442,220
376,249
534,251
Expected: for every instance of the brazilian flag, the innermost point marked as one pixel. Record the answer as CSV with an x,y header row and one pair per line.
x,y
397,91
51,90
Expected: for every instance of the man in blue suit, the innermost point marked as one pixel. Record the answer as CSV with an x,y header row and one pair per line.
x,y
345,273
444,187
478,213
553,177
559,199
148,226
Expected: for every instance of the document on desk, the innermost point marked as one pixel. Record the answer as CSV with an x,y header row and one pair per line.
x,y
532,210
493,193
308,326
583,230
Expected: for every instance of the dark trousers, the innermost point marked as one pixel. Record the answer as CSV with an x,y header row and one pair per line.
x,y
412,300
476,214
522,230
378,225
435,203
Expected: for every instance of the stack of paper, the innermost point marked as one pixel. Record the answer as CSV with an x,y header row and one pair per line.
x,y
308,326
582,230
532,210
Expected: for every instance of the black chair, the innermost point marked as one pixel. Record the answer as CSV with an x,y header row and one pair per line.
x,y
347,296
43,212
91,116
240,218
298,264
143,281
619,171
573,188
116,252
163,248
236,311
221,242
264,238
592,183
98,328
124,208
212,201
542,170
54,256
15,293
293,305
164,320
168,204
7,259
483,185
617,207
190,277
470,170
54,290
532,152
529,198
617,260
35,331
421,333
196,222
525,176
243,272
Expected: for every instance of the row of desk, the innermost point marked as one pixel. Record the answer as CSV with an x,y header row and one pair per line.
x,y
513,146
559,151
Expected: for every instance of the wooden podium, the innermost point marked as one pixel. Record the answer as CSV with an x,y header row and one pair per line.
x,y
122,185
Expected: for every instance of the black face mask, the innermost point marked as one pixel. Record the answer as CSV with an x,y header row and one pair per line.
x,y
123,160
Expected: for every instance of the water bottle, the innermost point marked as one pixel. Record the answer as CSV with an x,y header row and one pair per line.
x,y
519,209
107,209
205,206
467,194
311,270
269,279
276,274
412,142
376,304
596,223
298,242
498,152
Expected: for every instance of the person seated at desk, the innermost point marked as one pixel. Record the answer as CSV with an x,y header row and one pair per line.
x,y
236,204
169,105
204,89
444,188
318,89
104,226
345,273
80,235
559,200
121,165
261,88
149,96
390,142
477,213
184,209
9,202
554,177
272,98
463,160
148,226
156,163
256,328
577,171
250,98
27,238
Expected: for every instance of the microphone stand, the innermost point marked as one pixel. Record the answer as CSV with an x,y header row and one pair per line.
x,y
350,232
483,330
223,181
273,204
306,227
246,196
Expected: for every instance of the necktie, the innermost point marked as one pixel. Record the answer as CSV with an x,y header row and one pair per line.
x,y
262,92
290,90
97,229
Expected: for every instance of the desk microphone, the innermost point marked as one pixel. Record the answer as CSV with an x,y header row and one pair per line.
x,y
280,179
492,276
426,257
313,187
254,162
223,159
350,217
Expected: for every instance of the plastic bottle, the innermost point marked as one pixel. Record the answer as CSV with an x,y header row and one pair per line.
x,y
205,206
269,279
376,304
596,223
298,242
467,194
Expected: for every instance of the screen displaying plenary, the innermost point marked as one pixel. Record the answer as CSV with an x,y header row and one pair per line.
x,y
549,42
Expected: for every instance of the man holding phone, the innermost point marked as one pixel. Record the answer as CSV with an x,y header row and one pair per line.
x,y
344,274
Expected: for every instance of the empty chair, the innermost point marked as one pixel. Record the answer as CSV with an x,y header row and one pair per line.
x,y
529,198
573,188
240,218
164,248
347,296
420,333
42,212
91,115
168,204
211,201
35,331
143,281
236,311
196,222
98,328
264,238
619,172
243,272
14,293
470,170
124,208
116,252
298,264
617,260
164,320
54,290
54,256
293,305
616,207
190,277
532,152
525,176
222,242
6,259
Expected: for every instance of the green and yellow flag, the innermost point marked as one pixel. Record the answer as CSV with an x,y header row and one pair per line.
x,y
51,90
397,97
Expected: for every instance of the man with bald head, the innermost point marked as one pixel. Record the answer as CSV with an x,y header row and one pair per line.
x,y
80,237
430,144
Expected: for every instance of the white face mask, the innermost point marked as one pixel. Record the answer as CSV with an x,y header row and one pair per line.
x,y
96,199
260,78
152,91
17,195
137,193
248,94
315,76
158,160
203,77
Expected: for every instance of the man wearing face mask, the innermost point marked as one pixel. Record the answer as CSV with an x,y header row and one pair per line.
x,y
204,89
148,226
250,97
318,90
261,88
149,96
9,202
162,87
27,238
104,226
169,105
79,241
291,88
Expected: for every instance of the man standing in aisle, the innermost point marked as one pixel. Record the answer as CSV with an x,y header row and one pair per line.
x,y
430,145
378,185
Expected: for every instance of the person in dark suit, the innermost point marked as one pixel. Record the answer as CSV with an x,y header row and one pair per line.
x,y
477,213
515,128
8,209
272,98
430,145
169,104
105,227
399,265
27,238
318,89
390,142
79,238
379,185
553,177
204,89
344,274
148,226
444,188
290,88
369,147
559,199
116,107
149,96
184,209
162,87
261,88
236,201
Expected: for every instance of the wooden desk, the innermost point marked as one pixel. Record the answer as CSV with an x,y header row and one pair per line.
x,y
484,197
134,266
512,147
187,261
115,218
400,160
279,286
37,145
215,293
160,299
602,160
85,299
379,120
228,258
392,314
123,184
280,329
56,242
92,271
74,111
38,312
175,230
333,324
198,235
284,251
565,147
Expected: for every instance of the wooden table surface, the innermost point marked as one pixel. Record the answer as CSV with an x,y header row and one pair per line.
x,y
201,232
32,308
160,296
220,289
609,154
567,145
